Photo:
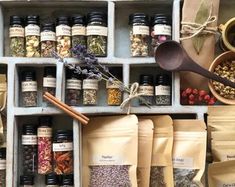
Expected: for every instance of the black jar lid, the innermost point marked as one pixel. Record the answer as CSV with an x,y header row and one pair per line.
x,y
52,179
32,19
29,129
138,18
78,19
26,180
67,179
29,75
163,79
3,153
161,19
97,14
62,20
48,26
45,120
16,20
146,79
50,71
63,135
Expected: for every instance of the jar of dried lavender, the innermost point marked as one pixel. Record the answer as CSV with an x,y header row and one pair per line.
x,y
63,36
67,181
49,81
97,33
90,89
29,89
44,145
163,90
146,88
139,34
16,34
32,36
78,31
3,167
52,180
48,39
26,181
29,149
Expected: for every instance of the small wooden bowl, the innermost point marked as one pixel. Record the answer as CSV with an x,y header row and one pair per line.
x,y
229,55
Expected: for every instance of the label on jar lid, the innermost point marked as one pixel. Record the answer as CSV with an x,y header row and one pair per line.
x,y
114,84
74,84
29,86
44,132
78,30
2,164
63,30
48,36
146,90
29,139
162,90
16,32
90,84
32,30
162,30
68,146
96,30
49,82
140,29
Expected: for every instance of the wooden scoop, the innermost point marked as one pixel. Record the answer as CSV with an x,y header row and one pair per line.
x,y
171,56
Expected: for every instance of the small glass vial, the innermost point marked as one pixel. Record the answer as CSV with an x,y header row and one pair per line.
x,y
78,31
90,89
52,180
114,93
73,88
16,34
48,39
97,32
139,34
63,152
49,81
45,145
67,181
146,88
32,36
29,147
63,36
163,90
29,89
26,181
3,167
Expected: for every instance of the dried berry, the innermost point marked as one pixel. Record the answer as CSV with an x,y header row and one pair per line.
x,y
202,93
195,91
191,97
189,91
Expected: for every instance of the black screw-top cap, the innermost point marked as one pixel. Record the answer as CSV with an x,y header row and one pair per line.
x,y
146,79
62,20
29,129
97,14
50,71
16,20
32,19
26,180
78,19
63,135
52,179
48,27
67,179
29,75
45,120
3,153
163,79
139,18
161,19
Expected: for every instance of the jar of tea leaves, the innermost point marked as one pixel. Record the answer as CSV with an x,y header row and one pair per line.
x,y
97,33
29,89
78,31
90,89
26,181
16,34
29,149
3,167
63,36
49,81
163,90
139,34
48,39
73,88
146,88
32,36
67,181
52,180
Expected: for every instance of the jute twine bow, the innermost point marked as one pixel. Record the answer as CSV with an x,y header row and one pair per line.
x,y
193,29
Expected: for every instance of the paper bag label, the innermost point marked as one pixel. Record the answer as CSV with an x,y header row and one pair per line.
x,y
106,160
183,162
232,184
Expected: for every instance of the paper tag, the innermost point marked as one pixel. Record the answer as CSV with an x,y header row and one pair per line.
x,y
29,139
63,30
183,162
16,32
29,86
97,30
139,29
74,84
78,30
114,84
49,82
230,184
44,132
106,160
48,36
228,157
146,90
32,30
2,164
90,84
162,90
62,146
162,30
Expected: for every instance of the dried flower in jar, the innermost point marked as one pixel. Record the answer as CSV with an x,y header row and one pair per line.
x,y
90,87
49,81
114,94
146,88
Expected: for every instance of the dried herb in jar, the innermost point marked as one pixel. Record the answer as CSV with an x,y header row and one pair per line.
x,y
184,177
3,167
114,94
16,34
32,35
49,81
90,88
147,89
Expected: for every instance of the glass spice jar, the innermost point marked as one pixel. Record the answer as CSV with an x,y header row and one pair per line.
x,y
67,181
29,147
97,33
73,88
45,145
90,89
49,81
52,180
63,152
63,36
114,93
32,36
139,34
78,31
163,90
29,89
48,39
16,34
3,167
26,181
146,88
